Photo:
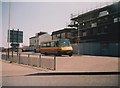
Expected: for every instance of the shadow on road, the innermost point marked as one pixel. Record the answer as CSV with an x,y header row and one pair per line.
x,y
73,73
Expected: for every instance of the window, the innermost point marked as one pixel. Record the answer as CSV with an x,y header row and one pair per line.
x,y
63,35
52,44
104,45
99,30
94,25
64,43
103,13
48,44
95,31
102,30
106,18
54,37
99,20
83,24
56,44
88,33
116,19
68,35
37,42
58,35
74,34
105,30
105,27
44,45
85,33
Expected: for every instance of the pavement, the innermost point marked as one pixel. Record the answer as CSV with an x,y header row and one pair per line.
x,y
81,63
71,71
87,64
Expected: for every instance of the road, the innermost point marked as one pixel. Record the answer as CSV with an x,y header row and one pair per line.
x,y
19,75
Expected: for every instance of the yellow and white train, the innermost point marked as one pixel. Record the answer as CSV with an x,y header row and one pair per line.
x,y
57,47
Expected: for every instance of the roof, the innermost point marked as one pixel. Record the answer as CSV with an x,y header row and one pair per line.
x,y
97,9
63,30
38,34
32,37
54,40
41,33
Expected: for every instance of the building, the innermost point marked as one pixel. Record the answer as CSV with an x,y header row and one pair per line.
x,y
36,40
99,31
2,49
66,33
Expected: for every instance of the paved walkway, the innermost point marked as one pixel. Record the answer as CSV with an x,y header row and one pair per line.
x,y
14,69
65,64
82,63
87,64
22,75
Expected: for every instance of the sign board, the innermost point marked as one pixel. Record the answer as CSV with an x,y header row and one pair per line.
x,y
15,36
12,44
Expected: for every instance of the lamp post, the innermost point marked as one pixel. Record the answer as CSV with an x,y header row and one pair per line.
x,y
17,41
12,41
9,28
78,40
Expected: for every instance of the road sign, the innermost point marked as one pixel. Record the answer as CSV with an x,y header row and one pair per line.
x,y
15,36
12,44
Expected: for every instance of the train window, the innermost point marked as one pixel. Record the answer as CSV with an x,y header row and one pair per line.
x,y
64,43
43,45
48,44
58,35
54,37
52,44
56,44
63,35
69,35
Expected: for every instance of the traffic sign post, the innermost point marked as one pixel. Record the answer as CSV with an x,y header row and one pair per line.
x,y
15,37
17,41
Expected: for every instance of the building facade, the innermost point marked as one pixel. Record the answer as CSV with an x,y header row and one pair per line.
x,y
34,42
66,33
99,31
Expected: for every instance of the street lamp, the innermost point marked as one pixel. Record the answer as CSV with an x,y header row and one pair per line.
x,y
78,40
9,28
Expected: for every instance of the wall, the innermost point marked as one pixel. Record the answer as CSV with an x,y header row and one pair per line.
x,y
104,49
44,38
39,39
36,60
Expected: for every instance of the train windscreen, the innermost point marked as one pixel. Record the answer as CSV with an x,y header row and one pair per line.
x,y
64,43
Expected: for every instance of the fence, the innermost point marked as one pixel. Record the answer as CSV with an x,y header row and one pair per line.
x,y
37,60
97,48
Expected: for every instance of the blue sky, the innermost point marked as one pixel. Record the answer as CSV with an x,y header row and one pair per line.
x,y
33,17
